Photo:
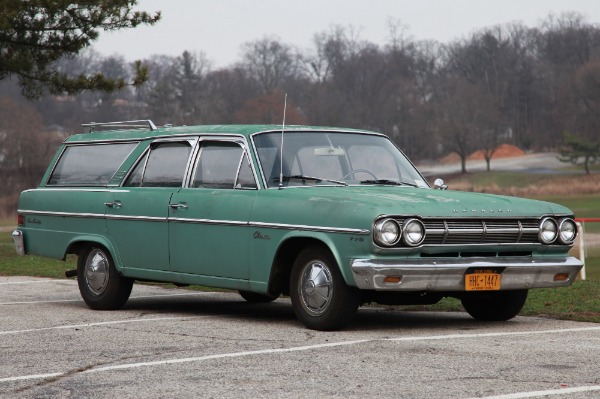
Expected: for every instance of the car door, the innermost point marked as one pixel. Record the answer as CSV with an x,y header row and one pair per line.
x,y
137,213
209,233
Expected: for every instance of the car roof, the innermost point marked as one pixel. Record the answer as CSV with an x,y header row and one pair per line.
x,y
239,130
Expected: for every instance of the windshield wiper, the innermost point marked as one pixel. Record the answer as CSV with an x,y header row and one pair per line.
x,y
315,179
388,182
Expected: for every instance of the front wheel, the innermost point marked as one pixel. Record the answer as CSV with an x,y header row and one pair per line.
x,y
100,285
494,306
320,297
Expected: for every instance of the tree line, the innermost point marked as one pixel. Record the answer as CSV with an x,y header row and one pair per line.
x,y
535,87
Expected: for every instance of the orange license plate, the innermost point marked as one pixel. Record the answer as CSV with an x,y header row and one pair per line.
x,y
482,282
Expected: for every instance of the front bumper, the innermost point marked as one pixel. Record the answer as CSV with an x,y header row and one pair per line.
x,y
449,274
19,240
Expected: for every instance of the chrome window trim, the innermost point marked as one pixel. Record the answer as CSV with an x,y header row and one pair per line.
x,y
237,139
324,130
292,130
143,155
55,164
191,141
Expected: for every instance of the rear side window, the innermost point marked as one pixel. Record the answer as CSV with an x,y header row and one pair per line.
x,y
164,166
89,165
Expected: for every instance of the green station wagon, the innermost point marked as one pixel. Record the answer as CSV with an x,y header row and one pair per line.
x,y
335,218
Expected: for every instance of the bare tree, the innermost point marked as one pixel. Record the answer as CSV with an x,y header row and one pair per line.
x,y
270,62
467,113
25,148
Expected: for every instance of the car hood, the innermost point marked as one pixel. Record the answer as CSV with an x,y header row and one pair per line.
x,y
415,201
358,206
429,202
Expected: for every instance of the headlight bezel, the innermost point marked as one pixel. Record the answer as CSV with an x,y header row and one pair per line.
x,y
378,232
406,232
561,228
403,229
542,231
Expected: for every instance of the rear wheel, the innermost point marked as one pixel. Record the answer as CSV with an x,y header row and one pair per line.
x,y
253,297
320,297
494,306
100,285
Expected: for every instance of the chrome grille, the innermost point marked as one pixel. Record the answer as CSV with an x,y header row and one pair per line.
x,y
480,231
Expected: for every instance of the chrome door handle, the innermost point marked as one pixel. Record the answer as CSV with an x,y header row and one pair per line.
x,y
113,204
178,206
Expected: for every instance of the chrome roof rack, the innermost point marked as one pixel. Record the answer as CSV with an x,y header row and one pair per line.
x,y
142,123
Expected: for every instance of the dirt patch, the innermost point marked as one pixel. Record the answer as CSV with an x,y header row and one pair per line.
x,y
558,185
502,151
450,159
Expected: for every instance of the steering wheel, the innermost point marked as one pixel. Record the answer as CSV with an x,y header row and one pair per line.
x,y
355,171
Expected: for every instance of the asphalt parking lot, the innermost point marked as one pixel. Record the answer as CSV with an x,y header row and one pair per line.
x,y
174,343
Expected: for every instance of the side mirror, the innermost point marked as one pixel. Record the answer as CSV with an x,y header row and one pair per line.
x,y
439,184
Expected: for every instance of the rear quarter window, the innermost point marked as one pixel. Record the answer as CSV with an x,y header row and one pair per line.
x,y
89,165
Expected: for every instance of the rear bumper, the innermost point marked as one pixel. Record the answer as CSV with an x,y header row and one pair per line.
x,y
19,240
448,274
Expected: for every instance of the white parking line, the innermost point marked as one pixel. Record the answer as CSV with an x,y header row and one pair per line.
x,y
305,348
498,334
549,392
80,300
31,282
103,323
31,377
37,302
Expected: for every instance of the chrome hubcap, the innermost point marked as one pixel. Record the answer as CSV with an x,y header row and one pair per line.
x,y
316,288
96,271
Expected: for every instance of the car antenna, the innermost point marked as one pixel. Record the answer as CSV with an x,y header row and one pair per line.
x,y
281,149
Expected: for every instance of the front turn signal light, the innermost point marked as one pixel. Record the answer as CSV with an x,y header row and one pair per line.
x,y
392,279
561,277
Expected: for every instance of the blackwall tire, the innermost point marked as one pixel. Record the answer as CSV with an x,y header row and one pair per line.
x,y
320,297
100,285
494,306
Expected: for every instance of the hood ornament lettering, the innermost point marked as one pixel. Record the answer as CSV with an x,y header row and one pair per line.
x,y
482,211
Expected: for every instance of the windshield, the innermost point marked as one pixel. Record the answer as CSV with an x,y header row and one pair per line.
x,y
330,158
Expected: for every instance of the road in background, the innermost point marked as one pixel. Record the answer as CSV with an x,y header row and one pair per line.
x,y
546,163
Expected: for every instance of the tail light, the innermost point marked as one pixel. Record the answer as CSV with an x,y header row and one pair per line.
x,y
20,220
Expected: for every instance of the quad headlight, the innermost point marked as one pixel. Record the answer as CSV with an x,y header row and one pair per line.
x,y
567,231
563,232
413,232
548,231
388,232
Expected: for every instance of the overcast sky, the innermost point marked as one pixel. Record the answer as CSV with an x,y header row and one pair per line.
x,y
219,27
